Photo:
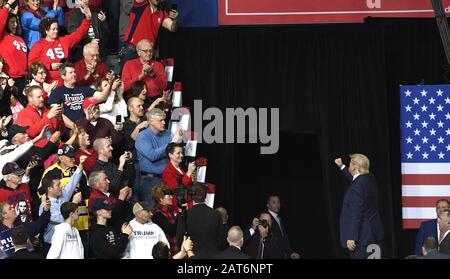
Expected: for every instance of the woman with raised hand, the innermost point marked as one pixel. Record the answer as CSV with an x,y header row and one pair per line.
x,y
53,50
32,16
12,46
173,175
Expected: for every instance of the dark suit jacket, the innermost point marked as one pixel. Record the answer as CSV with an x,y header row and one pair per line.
x,y
203,226
427,228
444,246
271,247
435,255
26,255
283,241
231,253
360,220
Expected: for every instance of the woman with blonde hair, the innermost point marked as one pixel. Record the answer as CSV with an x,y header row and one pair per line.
x,y
165,216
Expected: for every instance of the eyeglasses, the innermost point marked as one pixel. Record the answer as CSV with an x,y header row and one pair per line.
x,y
159,120
146,50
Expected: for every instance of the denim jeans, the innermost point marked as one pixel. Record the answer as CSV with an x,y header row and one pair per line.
x,y
147,185
137,184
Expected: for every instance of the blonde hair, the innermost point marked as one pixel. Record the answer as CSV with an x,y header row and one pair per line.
x,y
361,162
158,192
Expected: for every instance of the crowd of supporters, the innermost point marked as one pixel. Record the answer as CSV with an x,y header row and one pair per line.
x,y
88,168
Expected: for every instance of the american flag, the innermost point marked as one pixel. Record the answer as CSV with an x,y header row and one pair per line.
x,y
425,151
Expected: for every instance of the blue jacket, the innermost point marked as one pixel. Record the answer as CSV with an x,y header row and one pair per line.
x,y
360,220
30,24
151,149
427,228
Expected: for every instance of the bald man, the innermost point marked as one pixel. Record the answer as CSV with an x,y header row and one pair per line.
x,y
116,174
131,128
235,240
89,69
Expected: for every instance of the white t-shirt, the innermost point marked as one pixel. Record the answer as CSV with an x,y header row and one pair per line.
x,y
142,240
66,243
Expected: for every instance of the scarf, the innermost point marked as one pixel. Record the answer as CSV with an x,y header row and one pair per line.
x,y
168,213
39,13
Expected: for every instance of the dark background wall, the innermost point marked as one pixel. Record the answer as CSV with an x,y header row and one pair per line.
x,y
337,90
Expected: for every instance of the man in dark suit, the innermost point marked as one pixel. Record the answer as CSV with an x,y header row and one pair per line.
x,y
279,228
262,243
360,223
19,238
235,239
203,225
430,227
430,249
444,228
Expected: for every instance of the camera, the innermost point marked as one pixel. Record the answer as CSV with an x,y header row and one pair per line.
x,y
263,223
182,194
168,192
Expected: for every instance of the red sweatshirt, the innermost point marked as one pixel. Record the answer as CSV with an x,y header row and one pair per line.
x,y
143,23
52,52
13,197
13,50
80,69
29,116
155,85
91,158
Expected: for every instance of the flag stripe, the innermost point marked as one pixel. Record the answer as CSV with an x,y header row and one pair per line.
x,y
421,201
423,179
425,168
425,150
426,190
412,223
419,212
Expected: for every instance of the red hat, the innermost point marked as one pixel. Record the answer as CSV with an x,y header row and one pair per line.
x,y
89,101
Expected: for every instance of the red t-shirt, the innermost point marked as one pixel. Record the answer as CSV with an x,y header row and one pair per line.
x,y
13,50
52,52
143,23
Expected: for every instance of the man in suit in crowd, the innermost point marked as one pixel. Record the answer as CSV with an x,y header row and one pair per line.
x,y
203,224
430,227
430,249
236,240
279,228
19,238
444,229
262,244
360,223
